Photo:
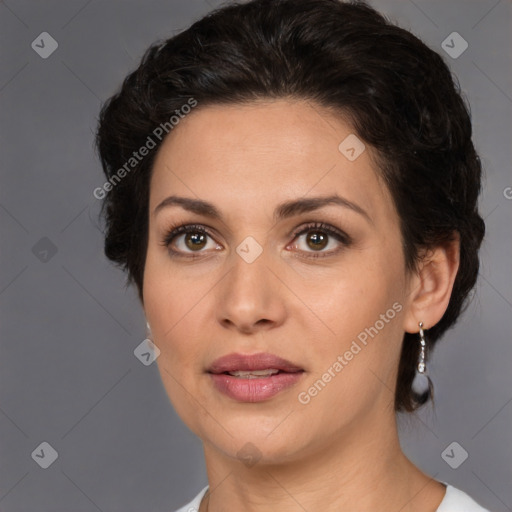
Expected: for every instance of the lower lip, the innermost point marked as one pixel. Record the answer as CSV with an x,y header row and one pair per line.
x,y
254,390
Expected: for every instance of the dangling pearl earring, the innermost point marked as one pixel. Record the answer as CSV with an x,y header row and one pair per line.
x,y
422,385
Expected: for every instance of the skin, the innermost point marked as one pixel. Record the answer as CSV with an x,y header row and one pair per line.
x,y
341,450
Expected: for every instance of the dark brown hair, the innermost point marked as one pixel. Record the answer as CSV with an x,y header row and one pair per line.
x,y
399,95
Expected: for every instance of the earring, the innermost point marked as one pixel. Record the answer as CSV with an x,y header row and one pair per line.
x,y
421,363
421,384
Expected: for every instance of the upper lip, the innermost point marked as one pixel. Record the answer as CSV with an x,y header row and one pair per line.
x,y
261,361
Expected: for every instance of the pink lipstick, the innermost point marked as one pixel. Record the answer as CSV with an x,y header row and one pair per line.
x,y
253,378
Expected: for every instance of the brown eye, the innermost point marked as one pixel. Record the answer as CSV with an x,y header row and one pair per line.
x,y
195,240
187,239
318,237
316,240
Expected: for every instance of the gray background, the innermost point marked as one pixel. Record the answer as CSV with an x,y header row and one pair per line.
x,y
69,327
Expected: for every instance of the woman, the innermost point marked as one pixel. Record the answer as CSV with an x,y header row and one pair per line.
x,y
292,187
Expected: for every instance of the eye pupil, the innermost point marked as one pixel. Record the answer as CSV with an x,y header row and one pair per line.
x,y
194,240
319,240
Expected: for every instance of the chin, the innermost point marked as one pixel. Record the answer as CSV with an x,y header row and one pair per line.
x,y
253,446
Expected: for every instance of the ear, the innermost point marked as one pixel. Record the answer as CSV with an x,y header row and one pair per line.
x,y
430,287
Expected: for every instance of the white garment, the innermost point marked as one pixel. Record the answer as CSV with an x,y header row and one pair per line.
x,y
454,500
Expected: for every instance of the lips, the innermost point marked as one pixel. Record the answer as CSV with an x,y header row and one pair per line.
x,y
256,362
254,378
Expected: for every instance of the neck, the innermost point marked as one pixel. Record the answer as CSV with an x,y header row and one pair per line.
x,y
357,469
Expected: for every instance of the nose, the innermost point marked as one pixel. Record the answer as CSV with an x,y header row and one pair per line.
x,y
251,297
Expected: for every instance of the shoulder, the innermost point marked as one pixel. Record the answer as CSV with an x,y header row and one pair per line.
x,y
193,506
456,500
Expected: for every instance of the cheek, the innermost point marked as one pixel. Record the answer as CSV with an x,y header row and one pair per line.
x,y
178,308
169,306
360,313
172,307
356,366
345,302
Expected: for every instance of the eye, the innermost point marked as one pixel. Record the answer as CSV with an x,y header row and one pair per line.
x,y
190,238
193,238
318,238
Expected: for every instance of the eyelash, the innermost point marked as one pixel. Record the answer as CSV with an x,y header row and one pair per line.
x,y
178,229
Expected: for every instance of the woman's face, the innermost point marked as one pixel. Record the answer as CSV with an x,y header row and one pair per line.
x,y
333,306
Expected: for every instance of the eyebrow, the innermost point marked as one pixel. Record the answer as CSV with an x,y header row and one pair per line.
x,y
282,211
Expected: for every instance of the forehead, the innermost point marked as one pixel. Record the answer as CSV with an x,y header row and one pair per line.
x,y
239,155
